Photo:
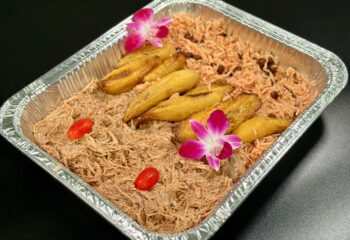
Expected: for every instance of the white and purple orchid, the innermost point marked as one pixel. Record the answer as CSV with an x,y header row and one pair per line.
x,y
212,142
145,28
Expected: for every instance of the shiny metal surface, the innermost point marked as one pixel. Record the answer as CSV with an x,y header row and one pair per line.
x,y
29,105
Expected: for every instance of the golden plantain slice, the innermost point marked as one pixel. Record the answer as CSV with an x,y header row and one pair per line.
x,y
180,108
169,65
129,57
237,111
148,50
128,76
259,126
175,82
203,88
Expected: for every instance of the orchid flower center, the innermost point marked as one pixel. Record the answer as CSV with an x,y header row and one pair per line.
x,y
147,29
212,145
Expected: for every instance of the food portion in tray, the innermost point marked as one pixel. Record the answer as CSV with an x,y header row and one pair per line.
x,y
179,120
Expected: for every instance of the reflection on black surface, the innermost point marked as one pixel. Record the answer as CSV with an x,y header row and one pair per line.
x,y
256,201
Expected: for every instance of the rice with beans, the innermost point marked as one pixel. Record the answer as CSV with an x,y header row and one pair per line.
x,y
284,92
113,154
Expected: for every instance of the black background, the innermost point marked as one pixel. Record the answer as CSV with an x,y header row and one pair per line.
x,y
306,196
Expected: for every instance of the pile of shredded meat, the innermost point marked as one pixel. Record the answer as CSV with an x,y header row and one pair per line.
x,y
111,156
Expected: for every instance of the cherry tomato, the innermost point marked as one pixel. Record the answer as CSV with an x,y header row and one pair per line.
x,y
79,128
147,179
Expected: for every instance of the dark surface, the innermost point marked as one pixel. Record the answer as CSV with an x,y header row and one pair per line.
x,y
306,196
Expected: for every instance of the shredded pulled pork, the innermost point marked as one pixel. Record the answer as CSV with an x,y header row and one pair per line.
x,y
114,153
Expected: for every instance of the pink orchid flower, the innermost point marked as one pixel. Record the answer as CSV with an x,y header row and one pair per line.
x,y
213,143
145,28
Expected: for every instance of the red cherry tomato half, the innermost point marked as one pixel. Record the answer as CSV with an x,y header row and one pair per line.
x,y
79,128
147,179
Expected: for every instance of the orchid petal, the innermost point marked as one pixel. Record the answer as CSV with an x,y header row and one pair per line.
x,y
200,131
162,22
217,123
226,151
213,162
234,140
134,26
162,32
157,42
192,149
144,15
133,41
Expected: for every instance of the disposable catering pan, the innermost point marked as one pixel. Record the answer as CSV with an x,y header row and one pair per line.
x,y
19,113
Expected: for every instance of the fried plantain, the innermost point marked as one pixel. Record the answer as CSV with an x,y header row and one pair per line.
x,y
180,108
169,65
148,50
259,126
237,111
129,57
175,82
128,76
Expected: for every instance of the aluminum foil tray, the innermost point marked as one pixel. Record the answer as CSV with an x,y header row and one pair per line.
x,y
32,103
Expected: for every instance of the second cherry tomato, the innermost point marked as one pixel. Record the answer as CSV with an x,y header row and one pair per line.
x,y
147,179
79,128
